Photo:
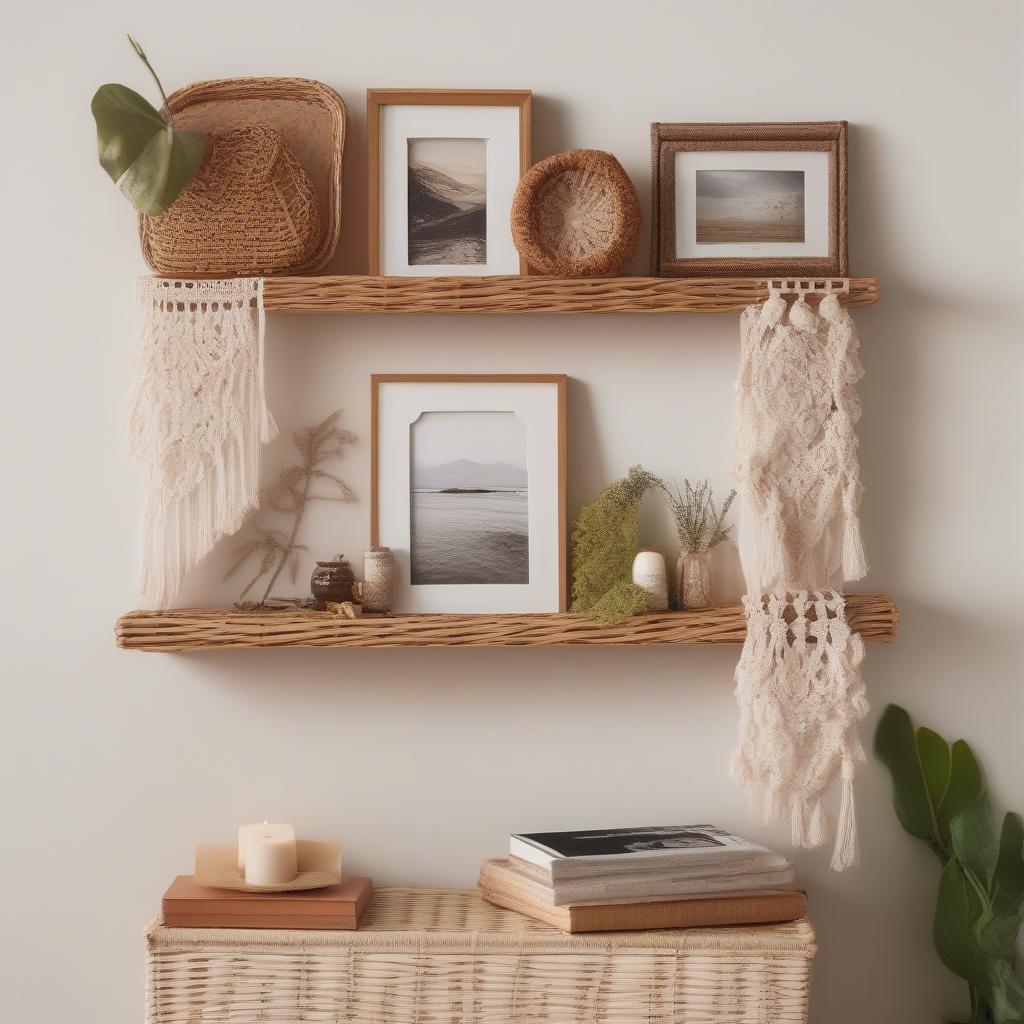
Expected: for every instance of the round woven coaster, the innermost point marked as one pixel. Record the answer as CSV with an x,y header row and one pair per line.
x,y
576,214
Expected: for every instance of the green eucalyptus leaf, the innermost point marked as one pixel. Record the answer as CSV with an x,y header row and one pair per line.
x,y
965,787
895,746
956,909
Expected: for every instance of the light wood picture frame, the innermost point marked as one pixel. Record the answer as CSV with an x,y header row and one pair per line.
x,y
758,199
467,487
388,173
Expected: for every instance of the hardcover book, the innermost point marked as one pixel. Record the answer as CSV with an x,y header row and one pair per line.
x,y
188,905
647,885
610,851
758,907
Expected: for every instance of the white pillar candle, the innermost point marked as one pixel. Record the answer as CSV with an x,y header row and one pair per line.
x,y
649,574
260,830
270,862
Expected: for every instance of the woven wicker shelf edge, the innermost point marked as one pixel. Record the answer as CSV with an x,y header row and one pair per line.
x,y
874,616
527,294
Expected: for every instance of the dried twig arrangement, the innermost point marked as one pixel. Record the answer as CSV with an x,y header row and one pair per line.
x,y
290,495
699,525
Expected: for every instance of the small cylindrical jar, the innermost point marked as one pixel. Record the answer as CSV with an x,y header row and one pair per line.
x,y
693,577
378,579
649,574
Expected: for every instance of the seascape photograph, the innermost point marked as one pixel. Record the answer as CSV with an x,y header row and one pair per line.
x,y
447,202
469,499
750,206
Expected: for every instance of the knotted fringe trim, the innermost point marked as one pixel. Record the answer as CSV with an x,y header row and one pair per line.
x,y
801,698
197,419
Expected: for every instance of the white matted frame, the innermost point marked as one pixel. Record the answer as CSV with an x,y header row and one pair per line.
x,y
394,116
538,400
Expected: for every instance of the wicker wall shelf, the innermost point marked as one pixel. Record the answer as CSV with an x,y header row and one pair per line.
x,y
532,294
201,629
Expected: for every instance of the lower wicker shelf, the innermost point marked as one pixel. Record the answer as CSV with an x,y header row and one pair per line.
x,y
874,616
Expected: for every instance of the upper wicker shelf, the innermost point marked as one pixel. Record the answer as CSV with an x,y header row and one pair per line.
x,y
531,294
874,616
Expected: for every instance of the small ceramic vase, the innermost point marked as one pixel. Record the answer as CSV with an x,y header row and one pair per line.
x,y
693,579
649,574
378,579
332,581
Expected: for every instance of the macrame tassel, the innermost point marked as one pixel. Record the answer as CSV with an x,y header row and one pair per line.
x,y
818,831
844,854
798,681
197,420
770,543
855,564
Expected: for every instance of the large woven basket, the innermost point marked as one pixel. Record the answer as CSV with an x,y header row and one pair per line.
x,y
438,955
311,119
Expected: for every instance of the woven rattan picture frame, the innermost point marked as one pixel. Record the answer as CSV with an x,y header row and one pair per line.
x,y
756,199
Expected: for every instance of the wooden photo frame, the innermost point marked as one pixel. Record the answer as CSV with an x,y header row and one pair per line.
x,y
467,487
765,199
445,208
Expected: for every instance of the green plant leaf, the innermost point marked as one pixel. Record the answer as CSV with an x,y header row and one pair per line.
x,y
896,748
956,909
936,764
965,787
1008,878
1005,993
148,160
998,929
973,837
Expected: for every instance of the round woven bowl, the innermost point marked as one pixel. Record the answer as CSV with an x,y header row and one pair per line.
x,y
576,215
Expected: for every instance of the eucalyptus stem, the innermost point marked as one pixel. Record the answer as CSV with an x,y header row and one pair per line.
x,y
145,60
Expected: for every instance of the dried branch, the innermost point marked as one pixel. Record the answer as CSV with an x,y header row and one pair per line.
x,y
289,495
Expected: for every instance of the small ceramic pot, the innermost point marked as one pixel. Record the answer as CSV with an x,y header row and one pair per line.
x,y
332,581
693,579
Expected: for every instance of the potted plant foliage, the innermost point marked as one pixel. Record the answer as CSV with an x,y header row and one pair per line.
x,y
939,796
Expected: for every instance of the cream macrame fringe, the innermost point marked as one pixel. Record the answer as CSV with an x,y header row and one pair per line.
x,y
196,420
798,681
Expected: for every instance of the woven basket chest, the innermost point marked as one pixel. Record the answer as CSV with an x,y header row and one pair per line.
x,y
428,955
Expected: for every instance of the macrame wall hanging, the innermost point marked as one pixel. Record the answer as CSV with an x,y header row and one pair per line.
x,y
196,420
798,681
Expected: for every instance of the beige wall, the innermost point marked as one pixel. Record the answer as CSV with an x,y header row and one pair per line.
x,y
118,764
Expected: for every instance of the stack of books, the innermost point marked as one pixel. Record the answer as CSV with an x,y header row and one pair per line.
x,y
189,905
625,879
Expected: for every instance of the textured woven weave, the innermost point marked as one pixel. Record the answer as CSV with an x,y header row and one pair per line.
x,y
250,210
435,955
576,214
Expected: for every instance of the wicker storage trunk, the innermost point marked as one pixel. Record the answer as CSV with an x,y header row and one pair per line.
x,y
427,955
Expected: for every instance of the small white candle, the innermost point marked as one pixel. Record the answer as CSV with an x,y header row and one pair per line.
x,y
260,830
270,862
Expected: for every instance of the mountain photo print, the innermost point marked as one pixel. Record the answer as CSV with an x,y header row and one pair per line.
x,y
469,500
447,202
